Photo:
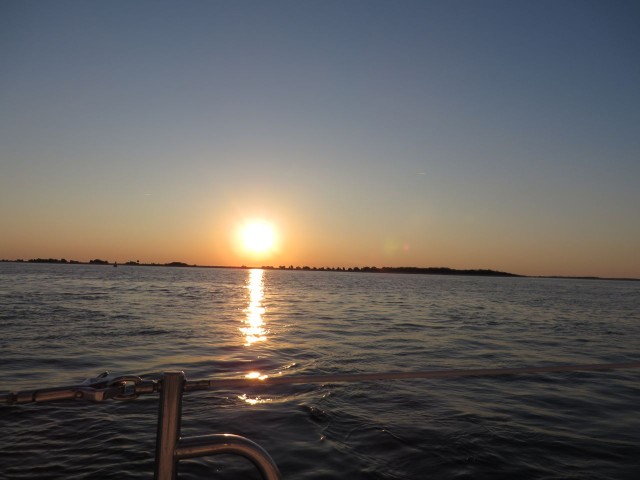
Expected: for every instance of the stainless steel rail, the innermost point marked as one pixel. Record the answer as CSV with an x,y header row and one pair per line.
x,y
170,448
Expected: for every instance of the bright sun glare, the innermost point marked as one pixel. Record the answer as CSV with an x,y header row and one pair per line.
x,y
258,237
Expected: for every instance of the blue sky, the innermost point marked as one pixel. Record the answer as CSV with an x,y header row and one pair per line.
x,y
469,134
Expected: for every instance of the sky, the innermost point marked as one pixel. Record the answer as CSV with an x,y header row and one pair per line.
x,y
466,134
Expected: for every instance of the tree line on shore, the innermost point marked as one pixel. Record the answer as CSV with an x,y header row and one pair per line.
x,y
367,269
416,270
97,261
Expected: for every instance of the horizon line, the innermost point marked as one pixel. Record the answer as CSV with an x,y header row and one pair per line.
x,y
365,269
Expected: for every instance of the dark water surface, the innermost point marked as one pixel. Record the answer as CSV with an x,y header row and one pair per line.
x,y
60,324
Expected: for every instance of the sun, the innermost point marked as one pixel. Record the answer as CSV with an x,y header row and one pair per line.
x,y
258,237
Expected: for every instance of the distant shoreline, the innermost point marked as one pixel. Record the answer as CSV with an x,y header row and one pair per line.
x,y
396,270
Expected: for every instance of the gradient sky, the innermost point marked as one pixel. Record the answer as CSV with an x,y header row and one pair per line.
x,y
467,134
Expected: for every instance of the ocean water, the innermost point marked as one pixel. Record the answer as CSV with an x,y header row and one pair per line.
x,y
60,324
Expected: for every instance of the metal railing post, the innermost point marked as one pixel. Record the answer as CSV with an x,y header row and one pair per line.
x,y
169,417
170,448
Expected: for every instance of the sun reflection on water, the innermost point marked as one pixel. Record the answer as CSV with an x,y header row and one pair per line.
x,y
253,401
254,330
255,376
254,327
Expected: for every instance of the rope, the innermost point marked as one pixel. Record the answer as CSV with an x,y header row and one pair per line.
x,y
370,377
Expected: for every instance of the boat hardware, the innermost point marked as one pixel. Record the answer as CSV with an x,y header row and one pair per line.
x,y
171,448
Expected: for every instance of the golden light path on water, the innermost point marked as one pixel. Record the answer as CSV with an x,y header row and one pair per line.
x,y
254,329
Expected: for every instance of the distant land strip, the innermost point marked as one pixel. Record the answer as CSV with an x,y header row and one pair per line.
x,y
405,270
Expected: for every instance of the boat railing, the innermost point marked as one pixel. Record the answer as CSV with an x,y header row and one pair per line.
x,y
171,447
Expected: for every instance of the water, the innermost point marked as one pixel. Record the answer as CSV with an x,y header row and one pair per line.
x,y
60,324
